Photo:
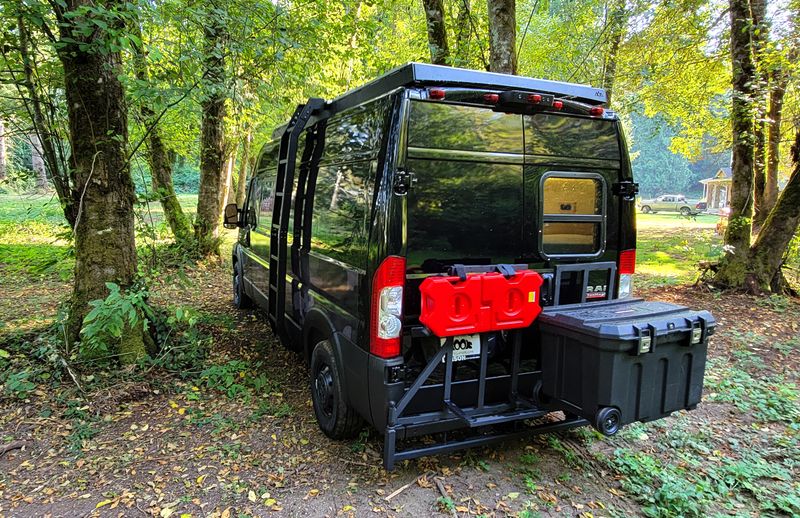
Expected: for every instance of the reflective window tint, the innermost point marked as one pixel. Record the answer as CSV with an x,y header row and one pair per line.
x,y
464,128
561,135
356,133
570,238
572,195
467,212
341,212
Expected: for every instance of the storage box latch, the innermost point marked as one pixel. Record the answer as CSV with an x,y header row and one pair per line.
x,y
646,339
699,331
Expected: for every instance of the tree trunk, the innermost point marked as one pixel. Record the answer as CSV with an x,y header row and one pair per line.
x,y
158,155
768,252
60,178
437,33
462,34
241,184
105,250
733,266
3,161
37,162
227,179
760,39
778,83
502,36
619,22
212,145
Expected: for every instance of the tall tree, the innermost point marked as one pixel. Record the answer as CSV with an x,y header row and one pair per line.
x,y
502,36
105,250
37,162
759,30
244,165
617,27
767,253
159,157
212,142
437,32
463,31
779,81
737,236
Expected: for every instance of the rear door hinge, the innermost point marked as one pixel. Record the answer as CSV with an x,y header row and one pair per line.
x,y
404,181
626,189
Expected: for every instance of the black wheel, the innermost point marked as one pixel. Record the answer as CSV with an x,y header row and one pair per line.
x,y
607,420
240,298
646,209
686,211
335,416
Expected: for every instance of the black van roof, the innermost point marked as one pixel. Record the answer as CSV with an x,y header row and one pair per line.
x,y
420,74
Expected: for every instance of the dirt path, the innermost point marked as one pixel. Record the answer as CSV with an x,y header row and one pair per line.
x,y
170,447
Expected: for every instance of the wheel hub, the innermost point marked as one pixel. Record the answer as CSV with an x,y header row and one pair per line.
x,y
323,389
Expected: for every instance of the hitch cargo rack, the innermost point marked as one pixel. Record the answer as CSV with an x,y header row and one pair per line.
x,y
451,416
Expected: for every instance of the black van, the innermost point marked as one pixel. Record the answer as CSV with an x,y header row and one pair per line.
x,y
441,182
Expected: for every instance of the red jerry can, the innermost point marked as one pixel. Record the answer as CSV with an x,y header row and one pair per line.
x,y
482,302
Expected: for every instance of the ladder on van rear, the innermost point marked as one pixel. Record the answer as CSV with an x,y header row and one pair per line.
x,y
279,230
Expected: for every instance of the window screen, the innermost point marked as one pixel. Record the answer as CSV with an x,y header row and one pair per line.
x,y
572,214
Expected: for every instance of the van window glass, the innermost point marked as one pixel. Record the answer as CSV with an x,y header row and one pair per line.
x,y
567,198
463,128
356,133
463,212
341,212
565,136
267,200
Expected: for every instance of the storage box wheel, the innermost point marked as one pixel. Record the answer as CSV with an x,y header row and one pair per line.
x,y
607,421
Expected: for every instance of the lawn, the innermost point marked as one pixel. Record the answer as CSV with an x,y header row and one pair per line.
x,y
222,424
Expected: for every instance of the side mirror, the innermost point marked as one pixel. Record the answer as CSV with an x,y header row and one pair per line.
x,y
231,216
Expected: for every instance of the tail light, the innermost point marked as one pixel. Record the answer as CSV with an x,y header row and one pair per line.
x,y
436,93
386,314
596,111
627,267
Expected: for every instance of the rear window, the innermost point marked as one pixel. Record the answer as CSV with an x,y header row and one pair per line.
x,y
572,214
565,136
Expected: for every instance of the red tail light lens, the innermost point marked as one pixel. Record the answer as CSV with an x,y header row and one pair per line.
x,y
534,98
386,312
436,93
627,262
491,98
558,105
596,111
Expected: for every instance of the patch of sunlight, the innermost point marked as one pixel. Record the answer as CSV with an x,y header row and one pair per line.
x,y
670,269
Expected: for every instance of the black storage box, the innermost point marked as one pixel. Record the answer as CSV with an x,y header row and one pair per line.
x,y
623,361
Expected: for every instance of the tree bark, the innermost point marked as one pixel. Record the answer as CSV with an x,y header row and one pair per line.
x,y
462,34
241,184
3,160
502,36
37,162
227,179
437,32
760,38
158,155
619,22
778,84
212,145
105,250
768,252
733,266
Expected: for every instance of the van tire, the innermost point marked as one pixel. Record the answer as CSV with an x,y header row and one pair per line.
x,y
240,298
336,418
646,209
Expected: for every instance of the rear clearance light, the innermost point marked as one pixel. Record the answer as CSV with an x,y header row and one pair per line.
x,y
558,105
386,315
596,111
627,262
482,302
491,98
436,93
535,98
627,267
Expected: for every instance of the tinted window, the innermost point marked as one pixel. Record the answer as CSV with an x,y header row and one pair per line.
x,y
341,212
466,128
570,238
567,197
356,133
464,212
560,135
262,198
571,195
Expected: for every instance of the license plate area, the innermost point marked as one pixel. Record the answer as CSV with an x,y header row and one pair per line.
x,y
465,347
